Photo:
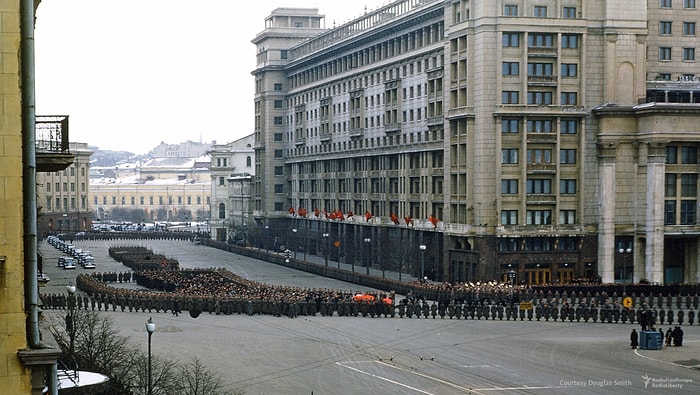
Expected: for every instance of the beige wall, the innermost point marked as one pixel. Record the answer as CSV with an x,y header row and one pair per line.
x,y
14,378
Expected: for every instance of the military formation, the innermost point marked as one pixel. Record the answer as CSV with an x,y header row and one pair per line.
x,y
218,291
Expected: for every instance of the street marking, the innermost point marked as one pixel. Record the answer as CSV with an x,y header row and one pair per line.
x,y
636,351
384,378
461,388
480,366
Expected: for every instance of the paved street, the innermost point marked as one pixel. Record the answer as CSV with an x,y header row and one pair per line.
x,y
355,355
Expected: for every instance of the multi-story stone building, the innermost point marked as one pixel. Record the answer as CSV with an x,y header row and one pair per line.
x,y
188,149
163,189
483,138
231,172
63,195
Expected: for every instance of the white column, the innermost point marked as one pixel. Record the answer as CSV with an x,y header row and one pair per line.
x,y
606,223
654,223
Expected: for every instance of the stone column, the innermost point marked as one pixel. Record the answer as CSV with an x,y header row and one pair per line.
x,y
654,218
606,223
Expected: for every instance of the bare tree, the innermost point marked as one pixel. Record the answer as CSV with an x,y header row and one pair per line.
x,y
196,379
98,347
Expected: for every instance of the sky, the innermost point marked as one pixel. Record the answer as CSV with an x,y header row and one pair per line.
x,y
131,74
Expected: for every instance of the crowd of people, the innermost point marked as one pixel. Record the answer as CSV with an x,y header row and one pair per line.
x,y
218,291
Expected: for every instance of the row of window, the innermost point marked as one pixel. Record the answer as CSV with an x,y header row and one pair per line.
x,y
666,28
224,162
71,169
65,206
685,155
513,244
541,98
682,212
540,40
688,185
669,3
566,126
57,187
567,186
151,200
539,69
666,54
567,156
539,11
538,217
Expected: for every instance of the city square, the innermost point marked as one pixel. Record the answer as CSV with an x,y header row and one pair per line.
x,y
263,354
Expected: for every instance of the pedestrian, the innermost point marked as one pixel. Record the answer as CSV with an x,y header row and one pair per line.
x,y
634,339
669,333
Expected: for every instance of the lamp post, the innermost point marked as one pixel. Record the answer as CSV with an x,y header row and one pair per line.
x,y
150,328
369,251
325,250
70,324
296,242
625,252
267,239
422,262
511,276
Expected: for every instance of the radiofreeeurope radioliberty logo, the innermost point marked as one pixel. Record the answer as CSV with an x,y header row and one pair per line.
x,y
665,382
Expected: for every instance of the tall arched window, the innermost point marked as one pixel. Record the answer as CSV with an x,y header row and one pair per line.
x,y
248,161
222,211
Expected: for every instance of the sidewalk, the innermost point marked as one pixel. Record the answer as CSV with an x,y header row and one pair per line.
x,y
373,271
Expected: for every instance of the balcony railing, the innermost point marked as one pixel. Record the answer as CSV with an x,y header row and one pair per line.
x,y
52,133
52,143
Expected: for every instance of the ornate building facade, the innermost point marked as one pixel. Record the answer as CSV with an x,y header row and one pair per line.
x,y
232,170
467,140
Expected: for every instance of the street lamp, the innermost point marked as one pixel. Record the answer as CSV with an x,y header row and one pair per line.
x,y
150,328
511,276
70,324
296,242
422,262
369,250
267,239
325,237
625,252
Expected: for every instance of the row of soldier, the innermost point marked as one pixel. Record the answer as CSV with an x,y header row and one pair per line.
x,y
343,304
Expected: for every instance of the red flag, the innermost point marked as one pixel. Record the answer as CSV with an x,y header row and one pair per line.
x,y
330,215
394,218
368,215
433,221
317,212
408,220
291,210
350,214
339,215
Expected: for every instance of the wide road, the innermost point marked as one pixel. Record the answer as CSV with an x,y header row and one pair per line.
x,y
349,355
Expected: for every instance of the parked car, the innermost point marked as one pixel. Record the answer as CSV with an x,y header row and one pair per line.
x,y
89,263
69,263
